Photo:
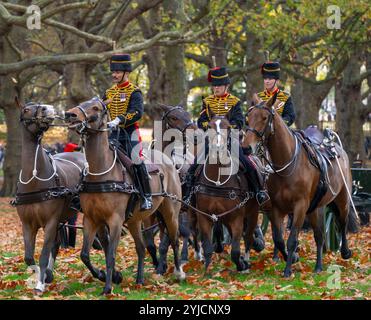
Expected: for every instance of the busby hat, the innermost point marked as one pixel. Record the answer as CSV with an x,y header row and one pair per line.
x,y
218,76
271,69
121,62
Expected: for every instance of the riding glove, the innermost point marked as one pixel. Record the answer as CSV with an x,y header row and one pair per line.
x,y
114,123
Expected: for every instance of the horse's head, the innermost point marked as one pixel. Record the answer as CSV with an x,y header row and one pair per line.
x,y
259,120
175,117
88,116
36,117
218,133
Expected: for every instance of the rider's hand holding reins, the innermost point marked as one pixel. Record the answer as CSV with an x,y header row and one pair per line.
x,y
114,123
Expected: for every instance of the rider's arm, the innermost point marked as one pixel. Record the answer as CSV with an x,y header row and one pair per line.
x,y
288,114
135,109
236,117
203,120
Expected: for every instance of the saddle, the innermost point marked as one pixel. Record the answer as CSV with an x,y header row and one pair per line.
x,y
319,155
128,163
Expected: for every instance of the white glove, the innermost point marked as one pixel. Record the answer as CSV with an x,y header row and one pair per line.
x,y
114,123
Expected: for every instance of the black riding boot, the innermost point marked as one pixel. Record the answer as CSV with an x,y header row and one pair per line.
x,y
189,181
142,182
260,193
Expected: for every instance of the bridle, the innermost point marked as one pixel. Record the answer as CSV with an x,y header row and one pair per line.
x,y
263,136
268,128
84,126
42,123
165,117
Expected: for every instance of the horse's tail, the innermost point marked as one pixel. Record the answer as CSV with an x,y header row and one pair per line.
x,y
353,222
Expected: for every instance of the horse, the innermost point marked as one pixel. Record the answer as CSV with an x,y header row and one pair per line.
x,y
106,194
178,119
225,201
47,185
293,185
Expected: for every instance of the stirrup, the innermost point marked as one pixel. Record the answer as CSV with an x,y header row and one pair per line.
x,y
146,204
262,197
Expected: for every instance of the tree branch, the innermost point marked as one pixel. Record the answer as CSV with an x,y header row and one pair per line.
x,y
83,57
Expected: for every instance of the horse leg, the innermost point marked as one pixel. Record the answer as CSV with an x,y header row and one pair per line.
x,y
205,228
149,239
277,230
53,256
342,205
292,242
29,238
185,233
103,237
251,221
89,232
163,249
170,212
236,231
49,239
136,232
115,226
317,223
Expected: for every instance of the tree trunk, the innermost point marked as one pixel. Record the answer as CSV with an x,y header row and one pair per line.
x,y
8,91
307,99
175,74
349,118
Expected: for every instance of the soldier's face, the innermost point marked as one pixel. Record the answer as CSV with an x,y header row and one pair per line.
x,y
220,90
269,83
117,76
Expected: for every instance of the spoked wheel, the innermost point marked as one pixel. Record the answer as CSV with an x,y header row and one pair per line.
x,y
332,231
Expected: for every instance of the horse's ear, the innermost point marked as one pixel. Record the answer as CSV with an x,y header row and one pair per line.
x,y
18,103
164,107
272,100
256,100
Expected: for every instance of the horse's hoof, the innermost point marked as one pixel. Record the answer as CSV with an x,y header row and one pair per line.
x,y
346,254
258,245
106,291
48,276
295,257
287,273
102,275
276,259
318,269
117,277
140,282
38,292
180,275
219,249
161,269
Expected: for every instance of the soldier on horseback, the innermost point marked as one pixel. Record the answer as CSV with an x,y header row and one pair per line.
x,y
222,103
124,102
271,74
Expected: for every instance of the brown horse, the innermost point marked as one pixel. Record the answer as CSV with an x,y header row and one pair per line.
x,y
226,198
175,121
45,189
294,182
107,208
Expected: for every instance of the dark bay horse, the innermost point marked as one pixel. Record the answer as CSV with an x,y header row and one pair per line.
x,y
224,197
105,211
294,182
45,189
175,121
